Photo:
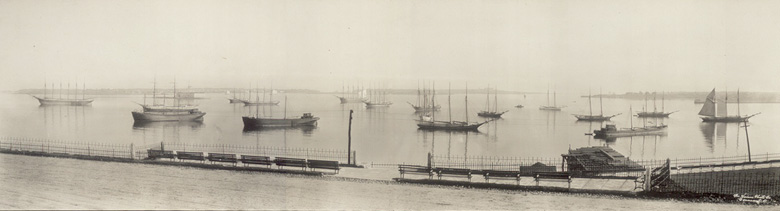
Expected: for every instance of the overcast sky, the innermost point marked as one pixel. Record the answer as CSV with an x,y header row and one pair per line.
x,y
615,45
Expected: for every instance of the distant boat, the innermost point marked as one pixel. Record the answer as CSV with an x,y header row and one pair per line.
x,y
235,99
377,98
494,113
591,117
548,107
424,102
654,113
519,106
611,131
49,99
355,95
431,123
257,101
715,110
155,112
257,122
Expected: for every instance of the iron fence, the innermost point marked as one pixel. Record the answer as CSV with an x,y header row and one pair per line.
x,y
59,147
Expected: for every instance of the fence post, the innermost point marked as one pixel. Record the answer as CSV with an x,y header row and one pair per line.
x,y
132,152
354,157
648,179
429,160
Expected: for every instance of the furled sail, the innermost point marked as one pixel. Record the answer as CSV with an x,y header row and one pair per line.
x,y
708,109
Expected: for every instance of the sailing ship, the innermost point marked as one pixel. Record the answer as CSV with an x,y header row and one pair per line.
x,y
494,113
257,122
655,112
431,123
49,99
715,110
423,102
377,98
548,107
590,116
257,100
163,112
611,131
354,95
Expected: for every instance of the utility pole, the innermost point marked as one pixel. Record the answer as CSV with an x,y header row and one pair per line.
x,y
747,139
349,139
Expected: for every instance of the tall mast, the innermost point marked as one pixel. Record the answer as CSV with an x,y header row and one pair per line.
x,y
654,108
467,103
433,101
601,103
645,108
548,95
495,104
449,95
555,99
590,105
487,99
662,102
738,113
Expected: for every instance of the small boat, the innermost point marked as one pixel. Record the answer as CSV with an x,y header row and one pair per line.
x,y
258,122
49,99
519,106
715,110
654,113
549,107
426,123
494,113
591,117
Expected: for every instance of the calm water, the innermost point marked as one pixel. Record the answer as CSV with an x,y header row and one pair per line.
x,y
389,135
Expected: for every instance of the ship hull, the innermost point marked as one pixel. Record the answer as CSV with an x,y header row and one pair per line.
x,y
549,108
440,125
490,114
592,118
658,130
75,102
426,109
351,100
249,103
252,122
652,114
167,116
235,100
377,105
724,119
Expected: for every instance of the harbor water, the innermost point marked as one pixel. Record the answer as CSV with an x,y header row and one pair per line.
x,y
390,135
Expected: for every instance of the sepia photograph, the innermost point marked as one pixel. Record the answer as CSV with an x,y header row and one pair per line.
x,y
389,105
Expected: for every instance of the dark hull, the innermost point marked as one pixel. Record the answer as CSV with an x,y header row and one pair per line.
x,y
440,125
549,108
725,119
490,114
652,114
253,122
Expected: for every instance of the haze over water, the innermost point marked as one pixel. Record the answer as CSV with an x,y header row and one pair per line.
x,y
389,135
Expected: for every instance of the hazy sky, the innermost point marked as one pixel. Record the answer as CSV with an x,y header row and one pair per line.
x,y
618,45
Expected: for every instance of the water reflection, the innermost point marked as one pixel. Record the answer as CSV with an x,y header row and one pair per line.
x,y
305,130
714,133
194,125
65,117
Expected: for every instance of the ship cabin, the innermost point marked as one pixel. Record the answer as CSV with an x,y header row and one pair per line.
x,y
307,116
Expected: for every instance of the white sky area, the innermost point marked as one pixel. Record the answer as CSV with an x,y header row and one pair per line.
x,y
617,46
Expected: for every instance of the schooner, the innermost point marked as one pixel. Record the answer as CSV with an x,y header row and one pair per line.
x,y
432,124
715,110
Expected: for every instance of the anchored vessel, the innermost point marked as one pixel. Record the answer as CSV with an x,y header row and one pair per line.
x,y
424,100
257,101
494,113
378,98
654,113
354,95
430,123
49,99
715,110
235,98
161,112
611,131
591,117
549,107
257,122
